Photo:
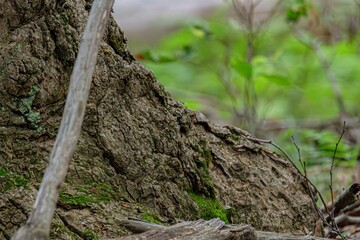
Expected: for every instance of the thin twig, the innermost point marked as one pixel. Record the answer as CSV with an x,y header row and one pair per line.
x,y
291,161
311,187
331,177
303,165
225,79
333,158
334,228
273,144
245,11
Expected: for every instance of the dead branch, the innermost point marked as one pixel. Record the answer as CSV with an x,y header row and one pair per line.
x,y
201,229
345,199
331,216
196,230
139,226
345,219
352,209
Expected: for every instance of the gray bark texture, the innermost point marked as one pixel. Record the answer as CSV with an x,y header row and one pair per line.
x,y
140,153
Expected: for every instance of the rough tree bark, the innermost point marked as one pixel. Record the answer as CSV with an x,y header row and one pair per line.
x,y
140,153
38,224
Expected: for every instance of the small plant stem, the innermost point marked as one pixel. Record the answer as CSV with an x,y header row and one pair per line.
x,y
331,177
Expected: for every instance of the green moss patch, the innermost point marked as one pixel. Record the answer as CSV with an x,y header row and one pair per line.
x,y
151,218
89,234
209,208
202,159
205,153
10,180
86,194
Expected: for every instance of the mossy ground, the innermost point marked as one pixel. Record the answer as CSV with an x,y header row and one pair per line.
x,y
151,217
209,207
10,180
89,234
88,193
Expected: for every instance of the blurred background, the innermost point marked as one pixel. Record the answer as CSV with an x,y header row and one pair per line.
x,y
277,69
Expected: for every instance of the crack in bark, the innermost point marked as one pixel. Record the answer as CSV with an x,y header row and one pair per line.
x,y
6,236
111,159
71,227
68,206
19,206
219,162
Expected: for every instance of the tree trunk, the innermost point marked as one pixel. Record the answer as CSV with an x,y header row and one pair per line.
x,y
140,153
39,221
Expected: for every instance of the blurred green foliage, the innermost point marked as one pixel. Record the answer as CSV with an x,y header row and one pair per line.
x,y
317,147
288,78
205,65
296,10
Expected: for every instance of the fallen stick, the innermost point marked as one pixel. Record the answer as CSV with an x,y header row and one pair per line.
x,y
213,229
346,198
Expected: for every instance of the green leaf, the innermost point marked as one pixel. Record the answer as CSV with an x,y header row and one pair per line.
x,y
243,68
192,104
163,57
278,80
201,29
260,60
296,10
